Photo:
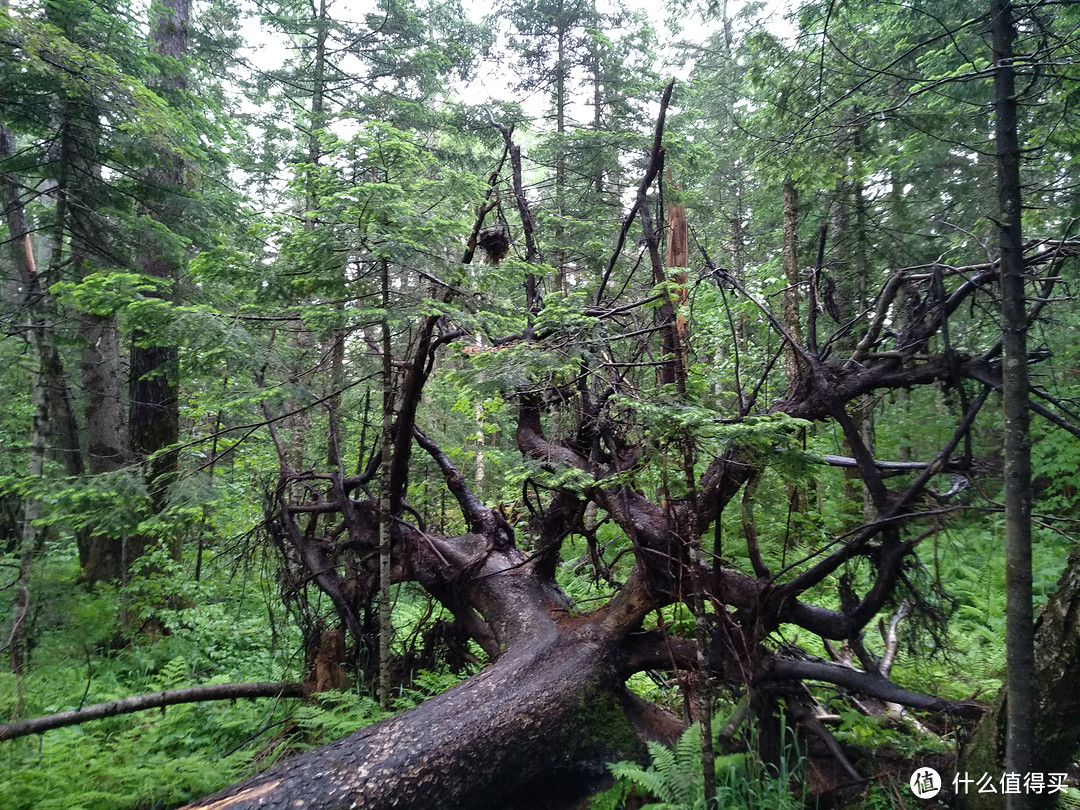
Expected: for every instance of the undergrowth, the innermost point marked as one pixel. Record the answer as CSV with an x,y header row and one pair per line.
x,y
675,781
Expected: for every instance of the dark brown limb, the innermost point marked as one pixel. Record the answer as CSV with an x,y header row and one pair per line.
x,y
170,697
868,684
655,162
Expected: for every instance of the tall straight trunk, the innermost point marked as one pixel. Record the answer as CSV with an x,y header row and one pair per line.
x,y
862,272
797,502
63,424
847,287
335,383
77,240
1019,630
598,120
336,349
561,102
105,558
299,422
791,274
153,403
386,518
739,327
478,472
41,309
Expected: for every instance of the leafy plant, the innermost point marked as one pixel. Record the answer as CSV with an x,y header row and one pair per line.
x,y
675,778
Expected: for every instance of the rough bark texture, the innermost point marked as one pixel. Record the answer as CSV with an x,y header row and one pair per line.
x,y
107,558
1057,701
153,398
80,228
537,725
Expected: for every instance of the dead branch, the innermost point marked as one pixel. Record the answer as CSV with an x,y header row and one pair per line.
x,y
155,700
867,683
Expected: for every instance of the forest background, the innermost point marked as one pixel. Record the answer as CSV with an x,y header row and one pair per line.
x,y
722,356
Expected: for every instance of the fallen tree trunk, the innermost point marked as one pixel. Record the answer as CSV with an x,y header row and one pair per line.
x,y
533,730
155,700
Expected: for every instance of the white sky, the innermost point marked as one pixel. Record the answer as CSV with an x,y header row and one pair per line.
x,y
490,82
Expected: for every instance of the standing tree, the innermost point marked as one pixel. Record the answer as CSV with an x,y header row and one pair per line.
x,y
1019,634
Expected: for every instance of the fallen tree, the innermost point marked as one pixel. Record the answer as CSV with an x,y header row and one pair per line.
x,y
535,726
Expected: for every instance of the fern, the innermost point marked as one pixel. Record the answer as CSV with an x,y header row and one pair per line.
x,y
674,778
173,674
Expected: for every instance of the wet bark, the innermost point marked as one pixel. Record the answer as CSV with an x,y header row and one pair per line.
x,y
531,730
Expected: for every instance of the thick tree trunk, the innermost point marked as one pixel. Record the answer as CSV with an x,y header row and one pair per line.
x,y
532,730
153,399
1057,700
534,727
49,394
107,558
104,558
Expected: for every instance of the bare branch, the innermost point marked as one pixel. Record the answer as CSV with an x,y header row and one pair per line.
x,y
170,697
868,684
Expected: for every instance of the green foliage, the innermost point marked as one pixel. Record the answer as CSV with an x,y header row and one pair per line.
x,y
333,715
111,503
674,778
337,164
878,732
83,655
425,684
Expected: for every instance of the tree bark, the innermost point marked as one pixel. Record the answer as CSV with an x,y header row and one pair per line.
x,y
531,730
792,324
1019,632
153,400
105,558
155,700
386,515
1056,700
